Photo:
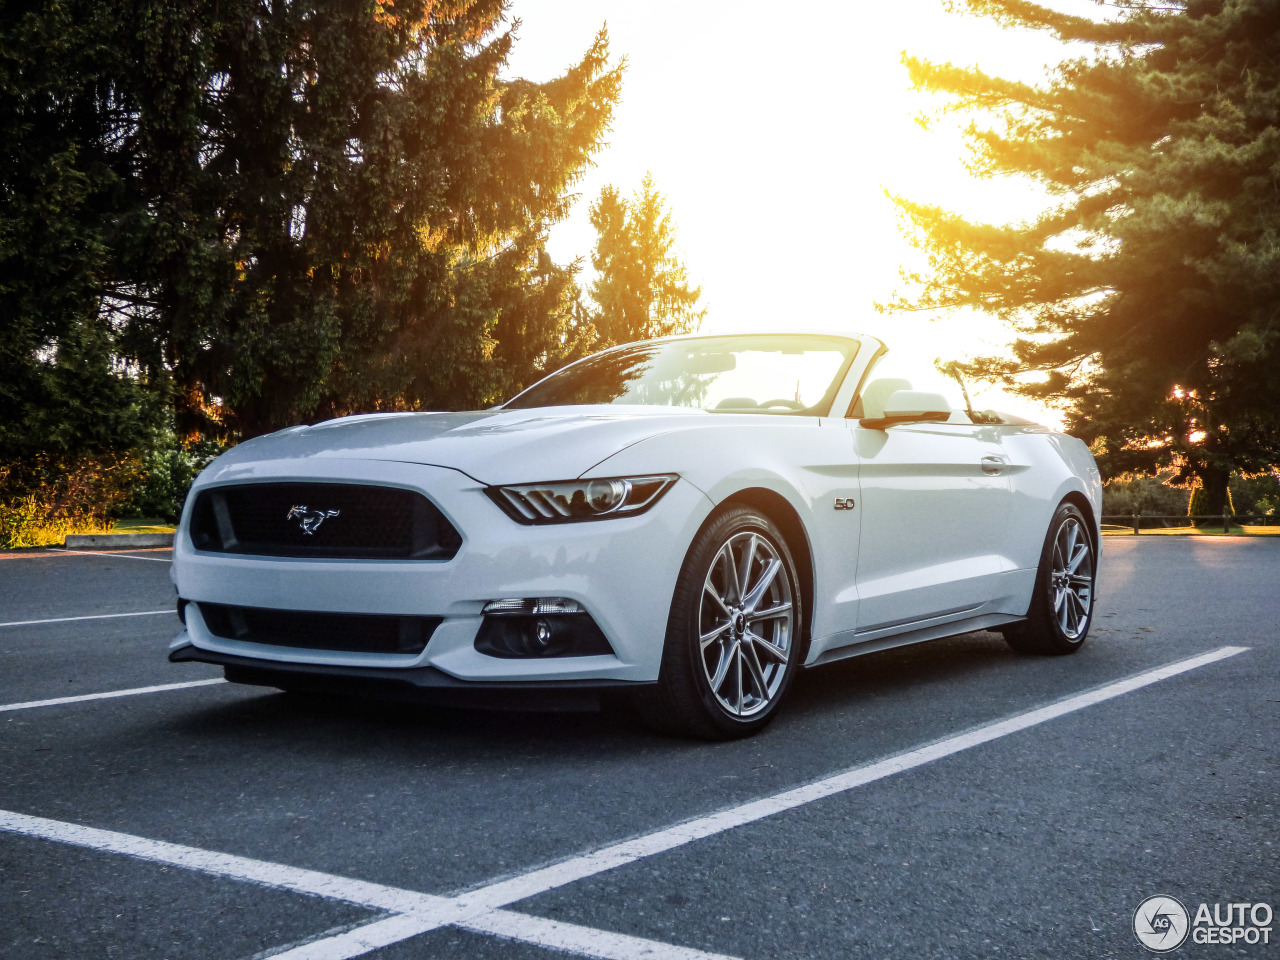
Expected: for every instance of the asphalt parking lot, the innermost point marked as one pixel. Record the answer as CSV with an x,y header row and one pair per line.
x,y
947,800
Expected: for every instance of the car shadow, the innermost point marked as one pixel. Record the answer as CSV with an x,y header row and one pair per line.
x,y
851,688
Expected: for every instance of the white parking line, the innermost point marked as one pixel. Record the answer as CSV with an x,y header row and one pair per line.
x,y
479,909
107,553
507,924
109,695
571,938
408,906
96,616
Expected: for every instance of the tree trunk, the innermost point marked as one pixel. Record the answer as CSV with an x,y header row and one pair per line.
x,y
1212,495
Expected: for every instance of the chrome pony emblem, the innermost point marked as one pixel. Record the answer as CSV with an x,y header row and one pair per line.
x,y
310,520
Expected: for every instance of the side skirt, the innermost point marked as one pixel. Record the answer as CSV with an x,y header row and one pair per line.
x,y
919,635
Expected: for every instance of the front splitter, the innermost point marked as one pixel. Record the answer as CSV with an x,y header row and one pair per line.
x,y
411,684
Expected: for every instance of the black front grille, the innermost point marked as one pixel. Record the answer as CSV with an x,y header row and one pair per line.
x,y
332,520
348,632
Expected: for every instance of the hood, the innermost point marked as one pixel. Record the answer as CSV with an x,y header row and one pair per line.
x,y
491,446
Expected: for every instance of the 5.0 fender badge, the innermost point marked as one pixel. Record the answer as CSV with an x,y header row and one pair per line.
x,y
310,520
844,503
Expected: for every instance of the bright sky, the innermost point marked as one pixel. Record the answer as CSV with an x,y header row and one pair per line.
x,y
773,139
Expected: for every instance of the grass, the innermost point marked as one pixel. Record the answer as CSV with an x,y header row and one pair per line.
x,y
27,528
1117,530
142,525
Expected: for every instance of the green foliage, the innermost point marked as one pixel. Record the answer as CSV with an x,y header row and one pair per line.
x,y
1147,296
1257,495
1149,495
62,389
43,498
1202,506
641,289
165,475
264,213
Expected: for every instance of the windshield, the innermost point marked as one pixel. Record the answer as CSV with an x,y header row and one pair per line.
x,y
743,374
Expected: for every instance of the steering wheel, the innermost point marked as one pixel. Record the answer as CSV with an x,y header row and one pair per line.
x,y
789,404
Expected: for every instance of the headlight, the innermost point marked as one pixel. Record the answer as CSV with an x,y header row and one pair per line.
x,y
570,500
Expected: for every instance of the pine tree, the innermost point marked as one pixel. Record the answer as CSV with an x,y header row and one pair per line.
x,y
1148,294
641,288
61,388
302,209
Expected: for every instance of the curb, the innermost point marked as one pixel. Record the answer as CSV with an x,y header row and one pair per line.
x,y
108,541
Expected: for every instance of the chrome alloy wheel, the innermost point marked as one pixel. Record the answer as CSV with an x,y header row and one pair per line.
x,y
746,624
1071,578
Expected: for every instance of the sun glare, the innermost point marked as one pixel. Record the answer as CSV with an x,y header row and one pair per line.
x,y
775,140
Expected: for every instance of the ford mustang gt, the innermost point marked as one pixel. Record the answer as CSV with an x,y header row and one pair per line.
x,y
690,520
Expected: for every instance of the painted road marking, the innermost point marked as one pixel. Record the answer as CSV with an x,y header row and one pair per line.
x,y
110,694
96,616
507,924
637,848
480,909
108,553
408,906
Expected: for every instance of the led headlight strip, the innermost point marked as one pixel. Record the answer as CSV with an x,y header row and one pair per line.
x,y
567,501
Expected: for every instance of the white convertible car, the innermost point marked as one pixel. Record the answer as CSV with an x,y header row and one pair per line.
x,y
692,520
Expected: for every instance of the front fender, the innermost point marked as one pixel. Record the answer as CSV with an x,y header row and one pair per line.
x,y
807,462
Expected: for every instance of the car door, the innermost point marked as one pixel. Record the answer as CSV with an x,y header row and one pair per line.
x,y
934,502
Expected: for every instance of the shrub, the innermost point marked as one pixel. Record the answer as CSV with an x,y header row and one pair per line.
x,y
166,475
45,497
1153,496
1258,495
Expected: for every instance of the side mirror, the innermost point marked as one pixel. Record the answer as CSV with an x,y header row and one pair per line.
x,y
910,406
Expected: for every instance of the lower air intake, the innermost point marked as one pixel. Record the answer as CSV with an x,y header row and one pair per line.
x,y
346,632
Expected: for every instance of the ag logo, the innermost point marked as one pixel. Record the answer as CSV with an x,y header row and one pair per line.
x,y
1161,924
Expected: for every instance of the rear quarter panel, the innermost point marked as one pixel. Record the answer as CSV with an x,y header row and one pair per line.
x,y
1047,467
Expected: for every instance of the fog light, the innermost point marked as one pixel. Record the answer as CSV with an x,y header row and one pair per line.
x,y
542,635
521,633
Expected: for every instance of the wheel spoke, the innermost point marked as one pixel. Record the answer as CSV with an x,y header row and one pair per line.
x,y
757,593
744,569
753,668
772,613
709,588
733,586
1078,559
768,647
711,637
738,661
727,652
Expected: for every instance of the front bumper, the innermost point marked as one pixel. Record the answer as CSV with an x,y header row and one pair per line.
x,y
622,571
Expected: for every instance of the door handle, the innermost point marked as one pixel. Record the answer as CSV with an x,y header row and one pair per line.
x,y
992,465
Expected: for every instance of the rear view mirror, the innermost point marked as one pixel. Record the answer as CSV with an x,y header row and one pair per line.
x,y
910,406
710,362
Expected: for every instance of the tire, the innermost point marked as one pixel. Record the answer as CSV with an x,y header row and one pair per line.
x,y
725,666
1061,608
